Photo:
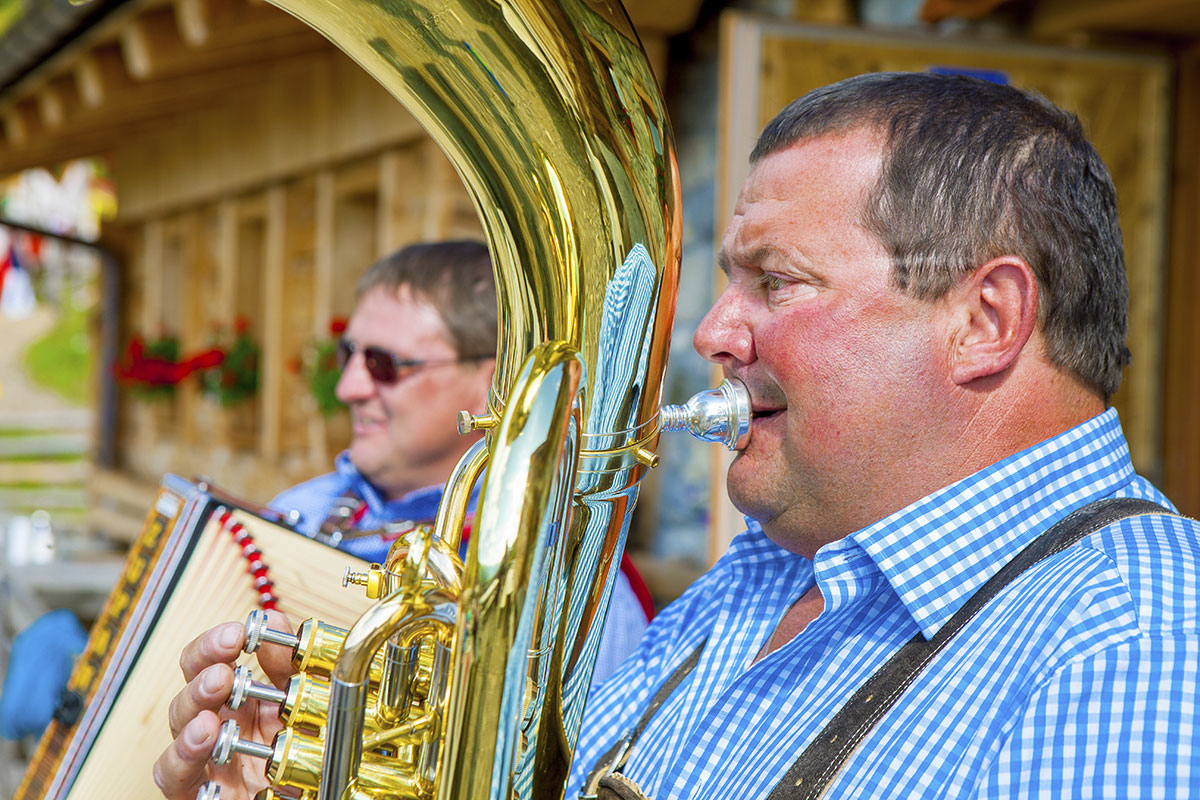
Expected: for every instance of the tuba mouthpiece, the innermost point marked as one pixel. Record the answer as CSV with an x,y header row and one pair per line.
x,y
714,415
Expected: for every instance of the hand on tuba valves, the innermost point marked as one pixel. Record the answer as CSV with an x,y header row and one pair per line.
x,y
197,711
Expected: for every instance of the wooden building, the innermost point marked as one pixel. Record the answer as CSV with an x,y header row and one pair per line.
x,y
259,170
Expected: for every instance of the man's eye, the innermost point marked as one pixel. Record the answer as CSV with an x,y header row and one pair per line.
x,y
770,282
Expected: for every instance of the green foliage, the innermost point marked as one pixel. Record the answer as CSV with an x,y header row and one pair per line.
x,y
10,12
61,361
323,376
235,379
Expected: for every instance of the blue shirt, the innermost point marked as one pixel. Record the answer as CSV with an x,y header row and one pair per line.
x,y
1077,680
314,498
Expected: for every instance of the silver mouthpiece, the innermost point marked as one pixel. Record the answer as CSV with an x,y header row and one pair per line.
x,y
715,415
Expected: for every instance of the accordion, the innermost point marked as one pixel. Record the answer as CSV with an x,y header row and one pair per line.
x,y
202,558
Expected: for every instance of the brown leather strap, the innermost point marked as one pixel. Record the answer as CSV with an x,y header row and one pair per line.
x,y
613,760
617,787
825,756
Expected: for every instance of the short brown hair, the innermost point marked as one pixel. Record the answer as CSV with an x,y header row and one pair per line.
x,y
456,278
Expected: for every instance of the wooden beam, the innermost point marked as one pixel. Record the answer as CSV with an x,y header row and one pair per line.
x,y
324,267
440,183
99,74
225,254
663,16
217,22
273,356
834,12
198,35
1181,373
1058,17
129,112
194,18
22,122
148,40
360,178
58,100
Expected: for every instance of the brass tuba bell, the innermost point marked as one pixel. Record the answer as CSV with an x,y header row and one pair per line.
x,y
469,681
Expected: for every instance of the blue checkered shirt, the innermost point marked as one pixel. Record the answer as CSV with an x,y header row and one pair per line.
x,y
314,499
1078,680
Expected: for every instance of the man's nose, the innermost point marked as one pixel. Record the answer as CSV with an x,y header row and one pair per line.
x,y
723,336
355,382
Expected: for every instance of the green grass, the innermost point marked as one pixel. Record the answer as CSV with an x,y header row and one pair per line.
x,y
57,458
60,360
10,12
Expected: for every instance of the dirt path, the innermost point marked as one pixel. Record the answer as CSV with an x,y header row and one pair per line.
x,y
19,396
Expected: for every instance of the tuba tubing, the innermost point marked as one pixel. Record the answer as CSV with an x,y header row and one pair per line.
x,y
549,112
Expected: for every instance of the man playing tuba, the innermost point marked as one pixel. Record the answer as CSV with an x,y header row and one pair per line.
x,y
927,302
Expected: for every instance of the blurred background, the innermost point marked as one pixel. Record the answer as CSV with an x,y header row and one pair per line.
x,y
187,178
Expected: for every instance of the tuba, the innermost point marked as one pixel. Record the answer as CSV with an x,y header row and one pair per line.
x,y
469,681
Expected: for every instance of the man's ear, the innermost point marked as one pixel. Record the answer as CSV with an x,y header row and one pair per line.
x,y
998,308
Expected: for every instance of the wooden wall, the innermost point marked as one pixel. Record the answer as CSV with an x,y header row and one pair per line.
x,y
267,210
1181,375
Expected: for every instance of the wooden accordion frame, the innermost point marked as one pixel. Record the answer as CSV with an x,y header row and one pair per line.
x,y
185,572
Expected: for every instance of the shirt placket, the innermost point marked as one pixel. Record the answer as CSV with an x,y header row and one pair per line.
x,y
724,730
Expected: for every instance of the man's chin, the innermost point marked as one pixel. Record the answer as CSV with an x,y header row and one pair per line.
x,y
366,461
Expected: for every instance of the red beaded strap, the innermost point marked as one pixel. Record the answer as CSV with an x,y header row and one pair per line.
x,y
256,566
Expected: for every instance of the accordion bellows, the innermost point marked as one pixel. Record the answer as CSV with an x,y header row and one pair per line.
x,y
184,574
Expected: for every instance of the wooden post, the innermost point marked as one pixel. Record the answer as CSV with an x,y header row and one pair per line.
x,y
271,375
1181,374
323,269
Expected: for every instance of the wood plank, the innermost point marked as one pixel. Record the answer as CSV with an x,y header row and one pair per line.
x,y
100,74
1058,17
225,257
360,177
50,498
1181,373
115,524
273,357
320,110
324,273
44,472
49,420
45,444
441,182
194,18
392,192
21,123
57,101
111,117
149,40
662,16
123,488
296,304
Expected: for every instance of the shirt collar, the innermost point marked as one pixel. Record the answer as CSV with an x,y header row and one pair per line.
x,y
938,551
419,504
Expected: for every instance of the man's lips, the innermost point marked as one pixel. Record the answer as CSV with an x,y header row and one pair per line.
x,y
366,423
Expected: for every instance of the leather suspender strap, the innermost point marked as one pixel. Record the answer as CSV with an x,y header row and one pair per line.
x,y
614,759
824,758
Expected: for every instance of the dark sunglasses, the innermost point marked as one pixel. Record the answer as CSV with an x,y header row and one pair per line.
x,y
387,368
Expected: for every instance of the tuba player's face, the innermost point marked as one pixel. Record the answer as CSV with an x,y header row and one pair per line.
x,y
843,368
405,431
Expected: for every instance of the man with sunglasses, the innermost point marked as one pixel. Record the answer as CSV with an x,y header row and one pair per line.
x,y
419,347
